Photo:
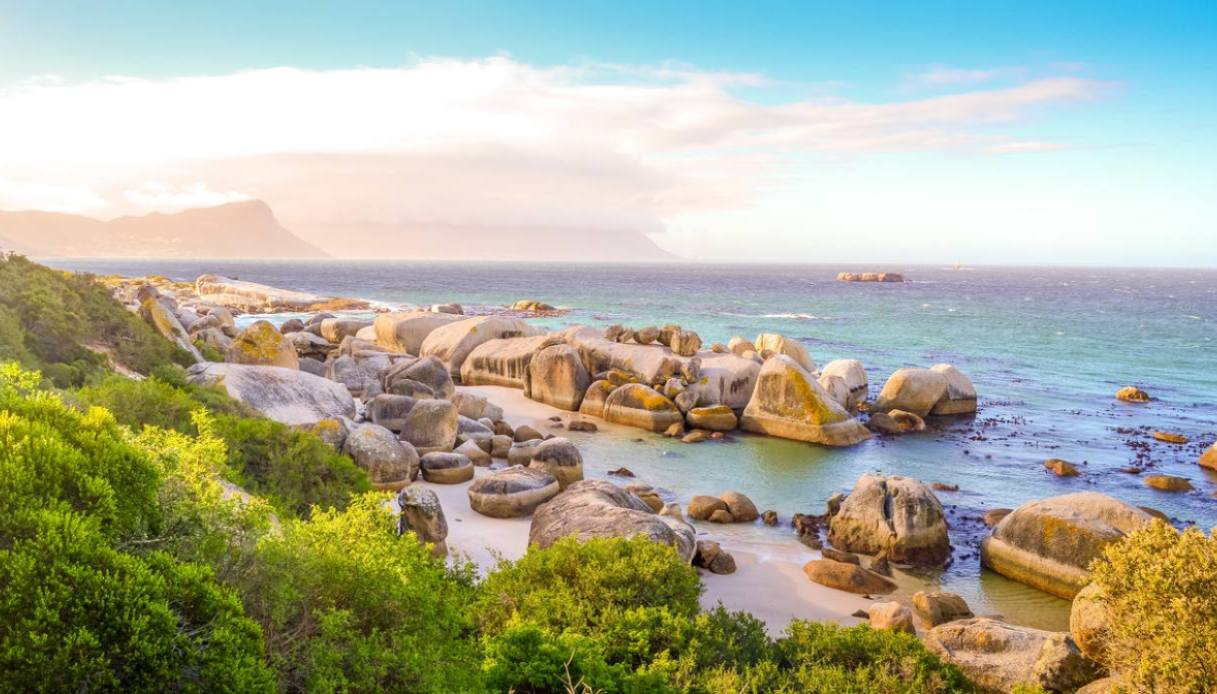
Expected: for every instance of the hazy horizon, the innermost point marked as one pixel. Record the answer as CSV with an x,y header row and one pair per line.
x,y
1029,136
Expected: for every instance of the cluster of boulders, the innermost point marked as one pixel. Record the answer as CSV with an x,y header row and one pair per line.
x,y
870,277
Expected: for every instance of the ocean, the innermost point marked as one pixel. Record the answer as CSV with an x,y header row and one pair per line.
x,y
1047,349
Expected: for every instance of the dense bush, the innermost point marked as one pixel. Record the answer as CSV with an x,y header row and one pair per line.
x,y
84,605
295,470
588,586
66,324
348,605
1160,588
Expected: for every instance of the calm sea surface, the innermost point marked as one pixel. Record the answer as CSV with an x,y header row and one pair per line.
x,y
1046,348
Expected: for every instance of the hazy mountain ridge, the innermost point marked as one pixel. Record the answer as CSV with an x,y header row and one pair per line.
x,y
236,230
250,230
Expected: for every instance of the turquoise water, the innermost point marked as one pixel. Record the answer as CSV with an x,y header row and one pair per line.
x,y
1046,349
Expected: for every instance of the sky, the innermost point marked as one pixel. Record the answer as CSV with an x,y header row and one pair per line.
x,y
1079,133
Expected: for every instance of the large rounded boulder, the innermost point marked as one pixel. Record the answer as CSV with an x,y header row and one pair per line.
x,y
1000,656
556,377
637,405
262,344
503,361
284,395
431,425
390,463
560,458
1049,544
428,371
453,342
853,376
911,390
512,492
594,398
960,396
789,403
898,515
404,331
596,508
446,468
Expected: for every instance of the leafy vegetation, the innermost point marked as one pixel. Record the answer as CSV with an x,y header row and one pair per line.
x,y
1160,587
294,469
66,325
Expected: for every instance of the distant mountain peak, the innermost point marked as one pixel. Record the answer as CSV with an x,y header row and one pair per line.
x,y
243,229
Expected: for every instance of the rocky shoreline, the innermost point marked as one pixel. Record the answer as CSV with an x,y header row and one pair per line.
x,y
394,393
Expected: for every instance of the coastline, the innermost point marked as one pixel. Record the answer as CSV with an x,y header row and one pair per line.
x,y
768,581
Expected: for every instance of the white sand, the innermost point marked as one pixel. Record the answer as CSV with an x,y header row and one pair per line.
x,y
768,581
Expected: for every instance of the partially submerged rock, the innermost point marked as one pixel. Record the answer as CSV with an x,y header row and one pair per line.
x,y
252,297
595,508
853,375
1168,483
1049,544
896,514
1132,394
960,396
713,418
912,390
1001,656
284,395
789,403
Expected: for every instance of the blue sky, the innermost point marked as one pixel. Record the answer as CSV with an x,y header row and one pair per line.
x,y
1113,132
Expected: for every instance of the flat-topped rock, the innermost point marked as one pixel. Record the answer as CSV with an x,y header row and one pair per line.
x,y
251,297
870,277
789,403
446,468
285,395
512,492
1049,544
596,508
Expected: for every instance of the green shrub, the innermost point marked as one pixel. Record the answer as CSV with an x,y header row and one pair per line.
x,y
294,469
829,658
54,457
69,326
348,605
1160,588
86,604
527,659
587,585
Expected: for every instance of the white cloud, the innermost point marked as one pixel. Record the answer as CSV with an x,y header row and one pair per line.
x,y
160,196
478,142
944,76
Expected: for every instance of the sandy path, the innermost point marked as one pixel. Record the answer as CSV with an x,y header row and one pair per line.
x,y
768,582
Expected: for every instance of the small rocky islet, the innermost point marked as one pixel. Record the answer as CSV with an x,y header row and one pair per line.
x,y
384,391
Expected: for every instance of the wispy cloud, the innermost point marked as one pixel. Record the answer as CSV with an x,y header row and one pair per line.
x,y
945,76
531,145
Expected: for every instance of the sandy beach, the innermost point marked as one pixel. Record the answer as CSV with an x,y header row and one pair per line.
x,y
768,581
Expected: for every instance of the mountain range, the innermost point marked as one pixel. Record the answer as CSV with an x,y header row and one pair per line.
x,y
249,229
